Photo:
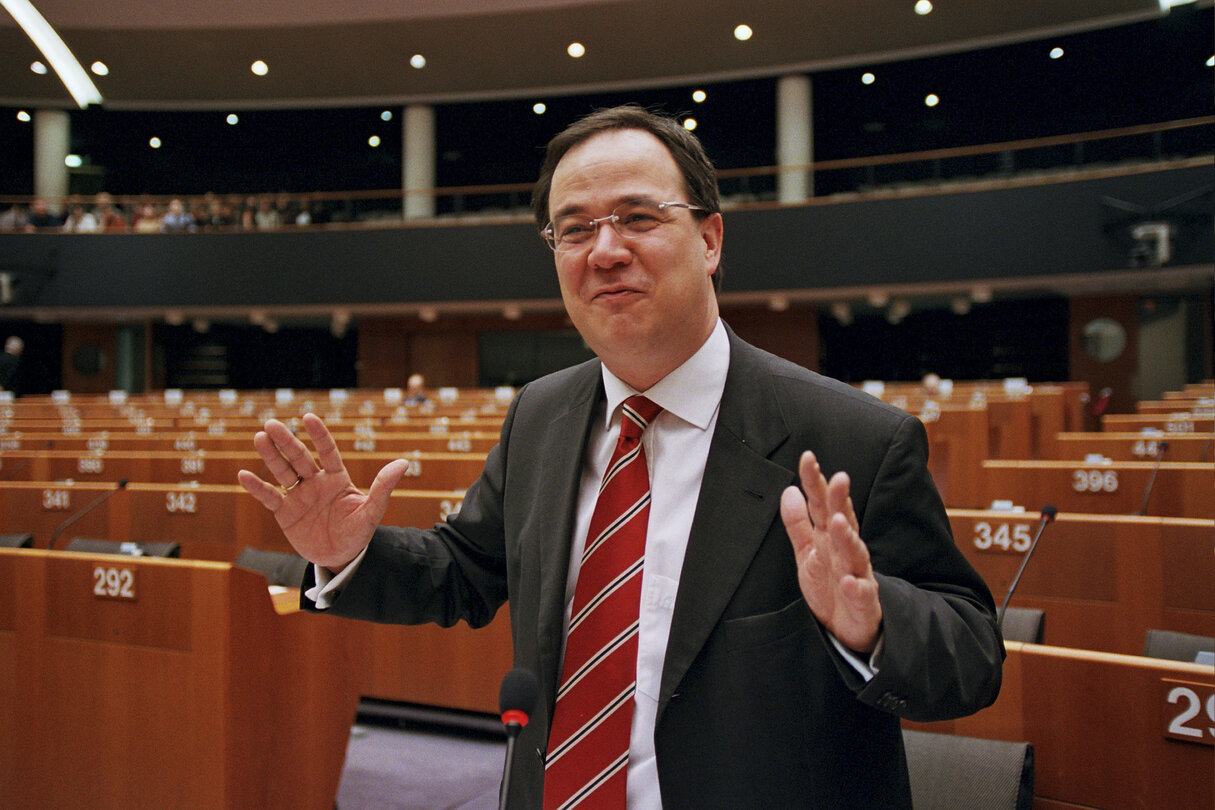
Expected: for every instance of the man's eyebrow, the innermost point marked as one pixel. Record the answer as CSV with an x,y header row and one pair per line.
x,y
630,199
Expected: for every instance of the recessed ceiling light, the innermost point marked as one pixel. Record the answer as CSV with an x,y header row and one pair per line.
x,y
868,78
386,115
1056,53
154,143
100,69
932,100
1211,61
699,96
233,119
73,161
23,116
259,68
742,32
373,141
923,7
38,68
576,50
417,61
689,124
539,108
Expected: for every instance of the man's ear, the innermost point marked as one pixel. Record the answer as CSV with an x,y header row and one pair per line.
x,y
711,232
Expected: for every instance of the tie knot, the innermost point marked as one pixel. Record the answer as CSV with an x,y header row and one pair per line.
x,y
637,413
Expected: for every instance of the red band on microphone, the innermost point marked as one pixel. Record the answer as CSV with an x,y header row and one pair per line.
x,y
514,716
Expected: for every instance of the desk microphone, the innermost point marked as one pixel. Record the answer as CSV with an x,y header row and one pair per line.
x,y
516,699
1048,515
1161,449
98,501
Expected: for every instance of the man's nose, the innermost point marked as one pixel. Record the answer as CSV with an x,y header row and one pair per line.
x,y
608,247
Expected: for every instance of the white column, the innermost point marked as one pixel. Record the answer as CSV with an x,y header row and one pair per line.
x,y
794,139
52,141
418,161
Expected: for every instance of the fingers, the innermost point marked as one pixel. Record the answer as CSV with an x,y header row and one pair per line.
x,y
381,488
286,457
326,447
267,495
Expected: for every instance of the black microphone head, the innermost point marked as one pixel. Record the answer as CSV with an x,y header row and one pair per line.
x,y
1049,511
519,691
122,483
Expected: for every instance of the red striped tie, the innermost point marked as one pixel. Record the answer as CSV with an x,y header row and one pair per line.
x,y
588,750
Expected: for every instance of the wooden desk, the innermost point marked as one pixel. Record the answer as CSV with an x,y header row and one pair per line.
x,y
1100,727
1180,422
191,692
1103,580
1192,447
1180,490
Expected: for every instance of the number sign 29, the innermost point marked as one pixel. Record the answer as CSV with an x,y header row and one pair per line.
x,y
1189,711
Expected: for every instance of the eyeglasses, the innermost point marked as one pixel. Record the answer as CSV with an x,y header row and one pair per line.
x,y
630,220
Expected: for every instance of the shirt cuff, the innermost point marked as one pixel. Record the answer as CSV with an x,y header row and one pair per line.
x,y
328,585
865,668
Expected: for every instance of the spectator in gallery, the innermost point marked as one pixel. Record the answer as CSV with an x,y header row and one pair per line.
x,y
415,390
79,220
41,217
13,218
177,219
10,359
109,218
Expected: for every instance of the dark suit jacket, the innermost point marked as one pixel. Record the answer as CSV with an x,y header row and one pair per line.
x,y
756,708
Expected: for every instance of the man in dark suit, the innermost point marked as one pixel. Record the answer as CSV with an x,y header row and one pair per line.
x,y
783,630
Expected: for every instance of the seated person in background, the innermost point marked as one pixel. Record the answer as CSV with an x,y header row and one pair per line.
x,y
41,217
109,218
79,220
13,218
177,219
146,219
415,390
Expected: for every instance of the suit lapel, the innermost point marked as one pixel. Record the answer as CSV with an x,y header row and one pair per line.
x,y
739,499
559,451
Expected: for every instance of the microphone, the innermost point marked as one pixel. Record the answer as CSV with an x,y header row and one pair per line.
x,y
1161,449
516,699
98,501
1048,515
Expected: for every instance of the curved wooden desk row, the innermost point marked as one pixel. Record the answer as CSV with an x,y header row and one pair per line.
x,y
1103,581
1117,732
147,683
1177,489
388,440
436,471
1192,447
211,522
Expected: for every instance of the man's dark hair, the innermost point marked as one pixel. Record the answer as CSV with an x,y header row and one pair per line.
x,y
699,176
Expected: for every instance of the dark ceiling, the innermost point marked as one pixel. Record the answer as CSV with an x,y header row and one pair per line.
x,y
179,55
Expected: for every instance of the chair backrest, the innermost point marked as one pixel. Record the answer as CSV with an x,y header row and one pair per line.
x,y
16,540
1024,624
279,567
130,548
1176,646
948,771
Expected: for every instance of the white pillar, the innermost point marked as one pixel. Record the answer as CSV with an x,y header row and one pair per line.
x,y
794,139
418,161
52,141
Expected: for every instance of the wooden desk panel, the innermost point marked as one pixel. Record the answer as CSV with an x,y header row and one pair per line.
x,y
1103,581
1181,489
1191,447
230,706
1097,723
1169,423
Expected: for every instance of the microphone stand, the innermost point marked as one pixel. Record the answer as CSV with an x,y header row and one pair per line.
x,y
1048,514
1161,449
100,499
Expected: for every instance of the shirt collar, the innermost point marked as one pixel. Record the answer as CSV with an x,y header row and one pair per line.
x,y
691,392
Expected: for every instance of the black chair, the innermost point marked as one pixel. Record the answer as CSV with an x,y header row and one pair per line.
x,y
279,567
131,548
1176,646
948,771
16,541
1024,624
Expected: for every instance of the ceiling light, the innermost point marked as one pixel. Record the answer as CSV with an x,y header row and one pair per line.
x,y
77,82
154,143
73,161
699,96
233,119
576,50
23,116
1056,53
1211,61
539,108
868,78
259,68
923,7
38,68
417,61
689,124
743,32
100,69
932,100
386,115
373,141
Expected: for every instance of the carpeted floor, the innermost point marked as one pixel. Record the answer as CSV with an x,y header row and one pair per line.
x,y
403,765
